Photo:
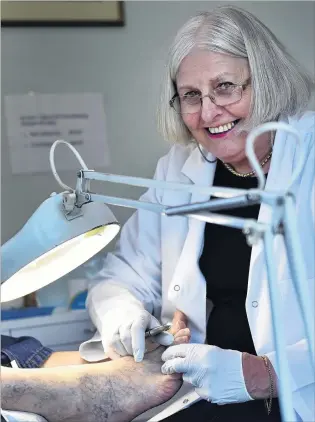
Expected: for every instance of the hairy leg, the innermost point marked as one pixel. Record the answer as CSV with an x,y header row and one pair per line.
x,y
115,391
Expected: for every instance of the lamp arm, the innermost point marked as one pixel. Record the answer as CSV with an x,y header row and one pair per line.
x,y
217,191
121,202
251,228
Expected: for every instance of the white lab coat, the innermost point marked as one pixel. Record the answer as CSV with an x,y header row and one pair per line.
x,y
157,258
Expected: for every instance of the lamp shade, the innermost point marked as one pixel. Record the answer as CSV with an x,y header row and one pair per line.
x,y
51,245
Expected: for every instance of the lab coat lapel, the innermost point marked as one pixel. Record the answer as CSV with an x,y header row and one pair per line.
x,y
188,288
257,302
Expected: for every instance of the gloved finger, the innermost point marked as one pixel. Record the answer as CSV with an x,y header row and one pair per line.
x,y
164,339
172,366
190,380
117,345
138,329
180,350
112,346
205,393
125,337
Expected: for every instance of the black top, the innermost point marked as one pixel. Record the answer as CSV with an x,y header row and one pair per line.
x,y
225,263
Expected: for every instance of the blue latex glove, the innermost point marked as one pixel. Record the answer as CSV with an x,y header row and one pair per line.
x,y
216,374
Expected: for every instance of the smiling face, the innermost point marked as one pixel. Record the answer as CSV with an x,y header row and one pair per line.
x,y
215,127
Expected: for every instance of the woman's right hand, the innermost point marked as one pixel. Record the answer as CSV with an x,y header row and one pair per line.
x,y
127,337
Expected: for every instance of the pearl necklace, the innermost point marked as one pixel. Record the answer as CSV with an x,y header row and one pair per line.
x,y
250,173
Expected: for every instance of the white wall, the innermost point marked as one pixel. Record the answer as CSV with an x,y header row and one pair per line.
x,y
126,65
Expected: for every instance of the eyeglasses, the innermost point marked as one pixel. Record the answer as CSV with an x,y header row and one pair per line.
x,y
191,102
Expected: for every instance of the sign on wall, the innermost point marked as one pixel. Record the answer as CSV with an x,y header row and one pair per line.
x,y
35,121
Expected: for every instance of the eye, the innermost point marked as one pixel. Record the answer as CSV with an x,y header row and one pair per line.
x,y
225,86
191,98
191,94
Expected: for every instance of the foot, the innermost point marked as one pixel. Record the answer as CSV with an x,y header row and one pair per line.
x,y
151,386
135,388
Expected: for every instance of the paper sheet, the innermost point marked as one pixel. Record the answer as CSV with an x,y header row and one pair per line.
x,y
15,416
182,403
35,121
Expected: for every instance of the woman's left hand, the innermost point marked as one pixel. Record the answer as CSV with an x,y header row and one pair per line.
x,y
216,374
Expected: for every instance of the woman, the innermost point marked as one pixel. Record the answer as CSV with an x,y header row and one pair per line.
x,y
226,74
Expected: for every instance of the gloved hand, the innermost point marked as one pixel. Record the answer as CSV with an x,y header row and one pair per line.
x,y
124,332
216,373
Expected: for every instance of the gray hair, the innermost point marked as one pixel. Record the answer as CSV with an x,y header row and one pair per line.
x,y
279,84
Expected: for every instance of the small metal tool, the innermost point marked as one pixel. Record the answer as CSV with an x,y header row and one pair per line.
x,y
157,330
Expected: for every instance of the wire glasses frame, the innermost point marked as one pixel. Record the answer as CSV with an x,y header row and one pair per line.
x,y
185,104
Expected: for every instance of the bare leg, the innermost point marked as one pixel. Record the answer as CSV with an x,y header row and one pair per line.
x,y
64,359
116,391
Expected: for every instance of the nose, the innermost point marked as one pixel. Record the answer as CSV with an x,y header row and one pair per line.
x,y
209,110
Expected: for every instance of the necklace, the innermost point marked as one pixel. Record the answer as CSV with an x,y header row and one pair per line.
x,y
250,173
262,163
